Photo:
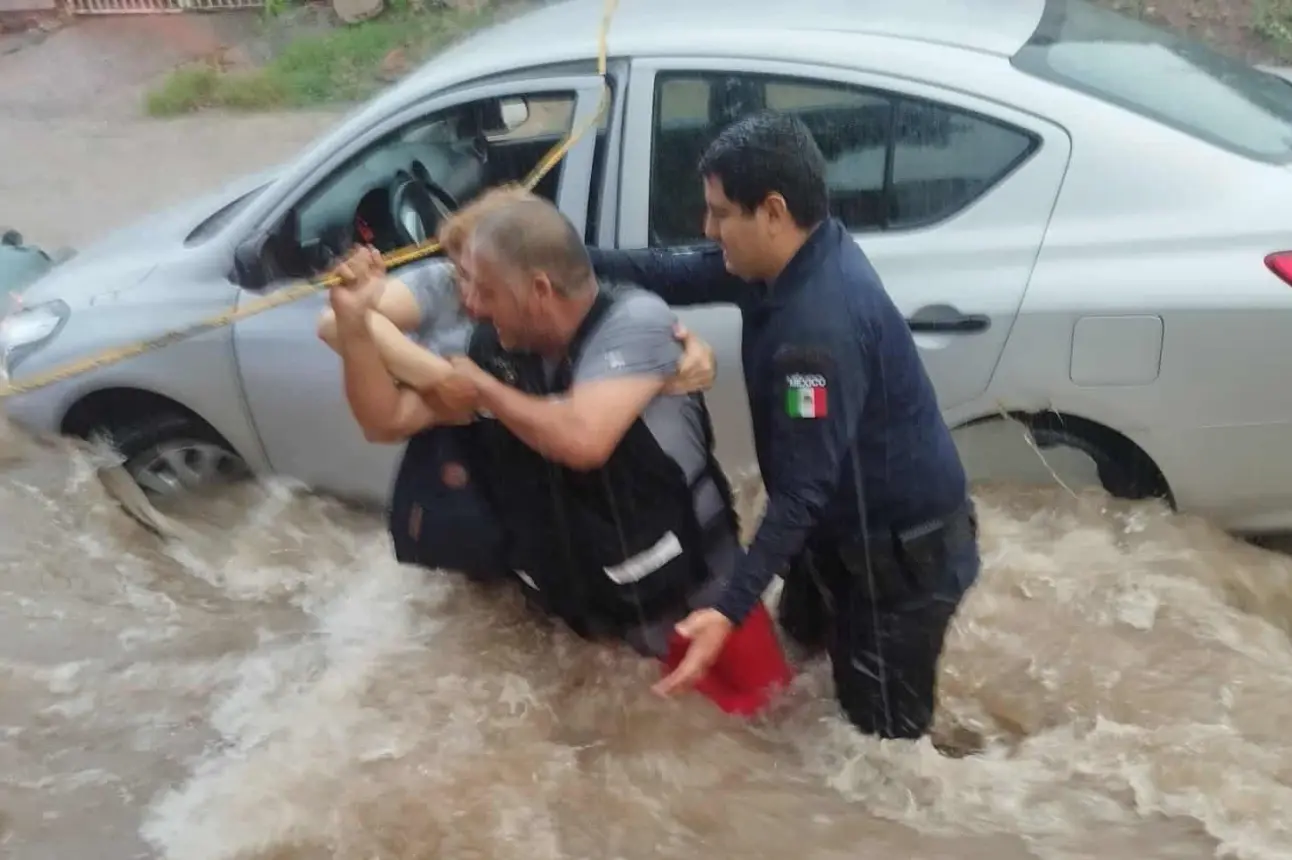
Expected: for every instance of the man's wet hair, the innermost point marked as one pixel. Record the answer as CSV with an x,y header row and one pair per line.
x,y
766,153
533,236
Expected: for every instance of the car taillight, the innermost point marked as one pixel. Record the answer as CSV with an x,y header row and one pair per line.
x,y
1280,263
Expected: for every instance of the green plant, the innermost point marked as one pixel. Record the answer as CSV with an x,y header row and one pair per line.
x,y
342,64
185,90
1272,20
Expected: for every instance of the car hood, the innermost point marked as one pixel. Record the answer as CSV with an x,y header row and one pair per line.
x,y
124,258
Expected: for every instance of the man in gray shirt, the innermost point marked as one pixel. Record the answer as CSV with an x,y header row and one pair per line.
x,y
628,376
436,516
530,277
636,339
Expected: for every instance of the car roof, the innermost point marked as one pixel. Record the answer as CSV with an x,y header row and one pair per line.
x,y
652,26
567,30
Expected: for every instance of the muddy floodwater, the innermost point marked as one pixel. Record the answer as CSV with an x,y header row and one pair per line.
x,y
276,688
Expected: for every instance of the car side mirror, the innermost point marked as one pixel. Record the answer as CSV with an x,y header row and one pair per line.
x,y
270,254
249,267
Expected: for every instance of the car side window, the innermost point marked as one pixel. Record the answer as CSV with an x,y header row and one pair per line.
x,y
892,162
395,192
944,159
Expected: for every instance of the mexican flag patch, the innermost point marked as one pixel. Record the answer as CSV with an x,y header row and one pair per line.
x,y
805,396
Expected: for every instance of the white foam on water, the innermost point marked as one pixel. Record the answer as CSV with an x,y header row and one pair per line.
x,y
283,689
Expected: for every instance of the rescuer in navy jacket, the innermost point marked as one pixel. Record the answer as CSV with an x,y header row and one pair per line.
x,y
868,516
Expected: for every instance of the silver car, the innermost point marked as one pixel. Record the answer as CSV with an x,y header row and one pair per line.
x,y
1084,218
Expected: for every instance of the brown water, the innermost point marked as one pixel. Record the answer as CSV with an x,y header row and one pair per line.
x,y
279,688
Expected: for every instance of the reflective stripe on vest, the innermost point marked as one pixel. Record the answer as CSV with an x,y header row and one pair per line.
x,y
645,563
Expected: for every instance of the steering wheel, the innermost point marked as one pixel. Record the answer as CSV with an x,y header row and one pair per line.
x,y
417,208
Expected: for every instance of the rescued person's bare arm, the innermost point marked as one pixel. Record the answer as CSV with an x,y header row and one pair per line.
x,y
429,376
407,361
404,359
423,299
395,303
385,411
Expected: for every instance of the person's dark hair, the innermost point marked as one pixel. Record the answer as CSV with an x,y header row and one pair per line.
x,y
766,153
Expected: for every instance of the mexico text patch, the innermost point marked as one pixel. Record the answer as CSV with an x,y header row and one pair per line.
x,y
805,395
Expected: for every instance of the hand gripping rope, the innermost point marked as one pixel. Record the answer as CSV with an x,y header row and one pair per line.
x,y
307,288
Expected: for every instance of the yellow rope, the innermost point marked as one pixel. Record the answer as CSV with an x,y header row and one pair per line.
x,y
306,288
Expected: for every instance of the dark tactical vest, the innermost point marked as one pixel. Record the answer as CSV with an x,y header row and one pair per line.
x,y
607,549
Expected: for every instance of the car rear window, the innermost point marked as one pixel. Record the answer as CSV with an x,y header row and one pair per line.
x,y
1168,78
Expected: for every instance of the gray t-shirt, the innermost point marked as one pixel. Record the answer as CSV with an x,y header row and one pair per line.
x,y
636,338
444,327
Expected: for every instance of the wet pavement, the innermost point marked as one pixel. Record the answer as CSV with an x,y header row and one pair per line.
x,y
76,155
277,688
101,66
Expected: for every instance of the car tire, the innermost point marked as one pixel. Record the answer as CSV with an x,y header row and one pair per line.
x,y
171,454
1119,473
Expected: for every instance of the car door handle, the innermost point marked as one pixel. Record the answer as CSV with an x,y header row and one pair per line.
x,y
945,319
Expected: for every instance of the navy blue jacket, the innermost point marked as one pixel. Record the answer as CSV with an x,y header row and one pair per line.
x,y
846,424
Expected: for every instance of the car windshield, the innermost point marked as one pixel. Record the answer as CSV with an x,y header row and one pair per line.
x,y
1172,79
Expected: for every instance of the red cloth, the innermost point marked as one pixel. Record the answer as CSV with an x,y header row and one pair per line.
x,y
749,670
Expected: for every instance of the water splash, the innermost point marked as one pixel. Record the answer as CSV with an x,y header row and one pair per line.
x,y
280,688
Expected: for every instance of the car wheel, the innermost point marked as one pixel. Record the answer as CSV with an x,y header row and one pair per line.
x,y
1120,473
171,455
